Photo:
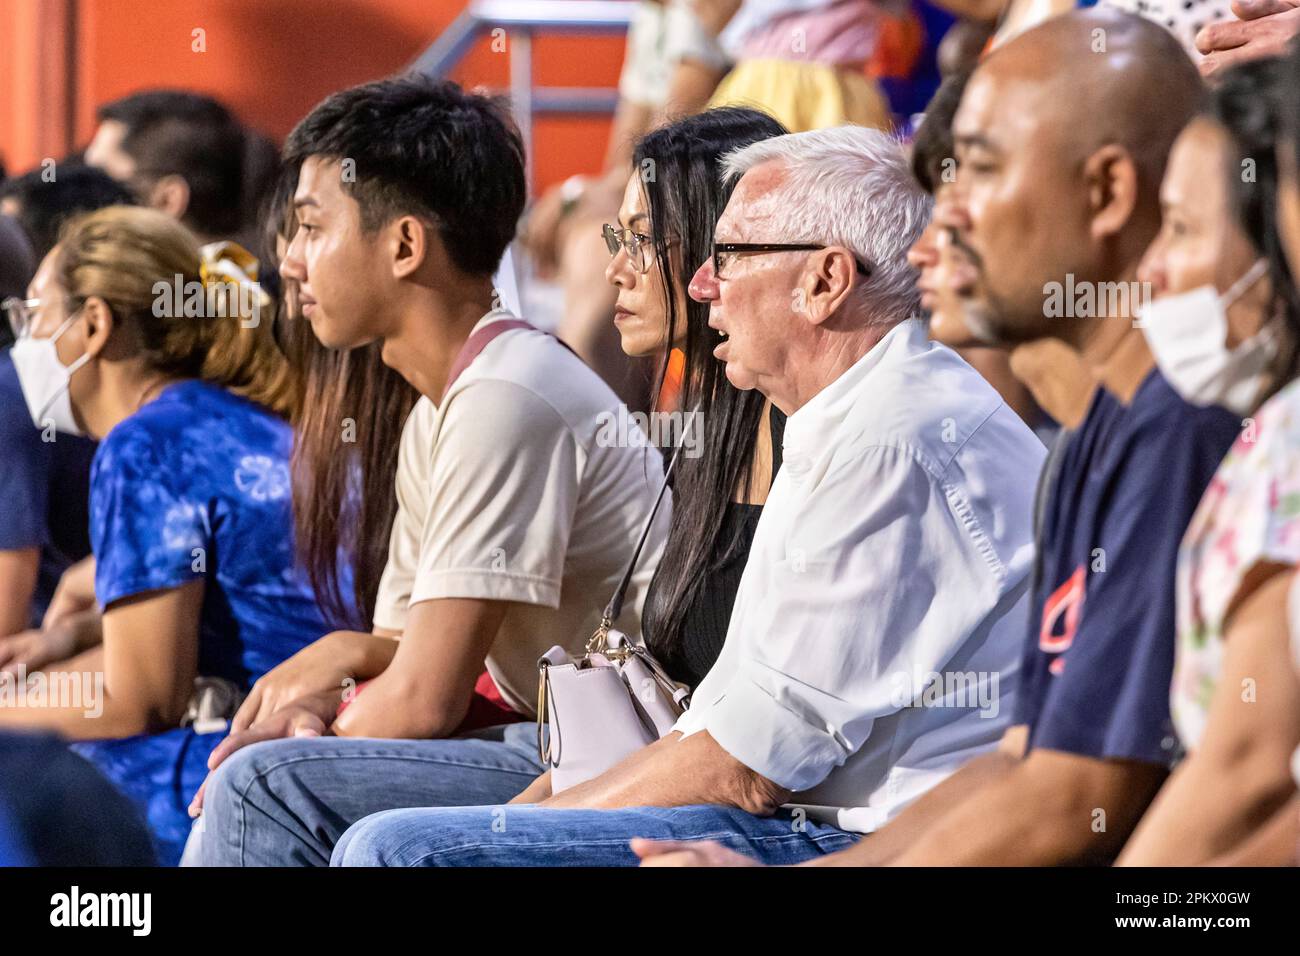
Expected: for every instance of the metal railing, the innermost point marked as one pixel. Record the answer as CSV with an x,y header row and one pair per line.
x,y
520,20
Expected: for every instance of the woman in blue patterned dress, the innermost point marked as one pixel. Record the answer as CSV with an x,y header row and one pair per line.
x,y
130,337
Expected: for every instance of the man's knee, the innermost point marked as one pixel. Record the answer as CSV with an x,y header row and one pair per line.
x,y
246,771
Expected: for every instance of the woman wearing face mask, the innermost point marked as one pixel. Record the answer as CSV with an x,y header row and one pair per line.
x,y
664,230
1223,330
191,521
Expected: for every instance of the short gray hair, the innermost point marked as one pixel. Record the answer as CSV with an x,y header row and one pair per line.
x,y
849,186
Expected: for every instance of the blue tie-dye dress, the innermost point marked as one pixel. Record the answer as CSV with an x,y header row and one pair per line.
x,y
196,485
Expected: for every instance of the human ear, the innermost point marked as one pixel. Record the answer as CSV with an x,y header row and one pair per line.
x,y
410,239
827,282
99,323
171,195
1112,180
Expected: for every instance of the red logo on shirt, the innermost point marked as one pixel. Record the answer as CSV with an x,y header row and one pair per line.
x,y
1061,618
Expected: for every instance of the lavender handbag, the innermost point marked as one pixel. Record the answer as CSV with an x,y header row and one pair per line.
x,y
613,701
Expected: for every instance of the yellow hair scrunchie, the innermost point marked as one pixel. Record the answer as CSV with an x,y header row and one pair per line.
x,y
229,262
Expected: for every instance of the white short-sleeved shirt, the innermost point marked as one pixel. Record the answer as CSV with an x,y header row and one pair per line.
x,y
880,621
508,492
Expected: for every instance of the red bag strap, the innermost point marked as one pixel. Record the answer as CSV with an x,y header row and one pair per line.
x,y
476,343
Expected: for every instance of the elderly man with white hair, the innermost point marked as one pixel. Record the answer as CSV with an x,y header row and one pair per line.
x,y
881,615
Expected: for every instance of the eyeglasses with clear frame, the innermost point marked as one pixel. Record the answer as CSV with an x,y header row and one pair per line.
x,y
21,314
638,246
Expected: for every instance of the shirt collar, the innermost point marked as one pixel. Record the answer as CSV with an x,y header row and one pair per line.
x,y
809,429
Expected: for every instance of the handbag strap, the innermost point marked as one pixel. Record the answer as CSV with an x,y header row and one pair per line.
x,y
615,606
476,343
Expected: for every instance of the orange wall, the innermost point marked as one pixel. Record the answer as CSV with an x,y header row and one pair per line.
x,y
270,60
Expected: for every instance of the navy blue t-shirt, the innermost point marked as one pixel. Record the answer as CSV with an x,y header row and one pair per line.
x,y
1097,667
44,489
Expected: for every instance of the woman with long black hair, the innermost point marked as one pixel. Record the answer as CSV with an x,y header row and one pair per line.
x,y
673,199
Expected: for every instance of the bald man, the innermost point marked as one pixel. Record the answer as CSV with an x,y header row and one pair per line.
x,y
1061,140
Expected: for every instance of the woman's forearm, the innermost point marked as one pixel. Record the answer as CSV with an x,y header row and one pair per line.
x,y
1276,843
1204,810
73,703
18,574
1238,772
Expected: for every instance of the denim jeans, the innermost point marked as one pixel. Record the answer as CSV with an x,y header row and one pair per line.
x,y
286,802
542,836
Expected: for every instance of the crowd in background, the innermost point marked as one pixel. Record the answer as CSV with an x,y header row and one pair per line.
x,y
973,540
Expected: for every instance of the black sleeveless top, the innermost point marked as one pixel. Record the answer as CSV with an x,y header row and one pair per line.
x,y
704,627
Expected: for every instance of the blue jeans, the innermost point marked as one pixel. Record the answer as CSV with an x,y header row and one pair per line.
x,y
541,836
287,802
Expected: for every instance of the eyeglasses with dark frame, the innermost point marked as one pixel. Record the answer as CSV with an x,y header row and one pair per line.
x,y
735,248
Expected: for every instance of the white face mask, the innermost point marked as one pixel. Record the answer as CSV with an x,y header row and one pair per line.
x,y
45,380
1188,335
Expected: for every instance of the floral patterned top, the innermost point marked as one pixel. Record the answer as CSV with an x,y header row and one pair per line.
x,y
193,486
1250,514
196,485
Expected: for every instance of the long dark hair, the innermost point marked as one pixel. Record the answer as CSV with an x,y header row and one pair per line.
x,y
1247,104
343,498
680,168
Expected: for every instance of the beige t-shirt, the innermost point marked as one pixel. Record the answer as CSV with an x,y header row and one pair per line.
x,y
510,491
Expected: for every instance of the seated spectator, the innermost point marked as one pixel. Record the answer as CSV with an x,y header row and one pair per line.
x,y
42,205
1068,163
1046,382
46,476
30,561
946,295
834,702
180,152
515,521
562,229
343,501
1225,328
189,501
58,810
666,222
